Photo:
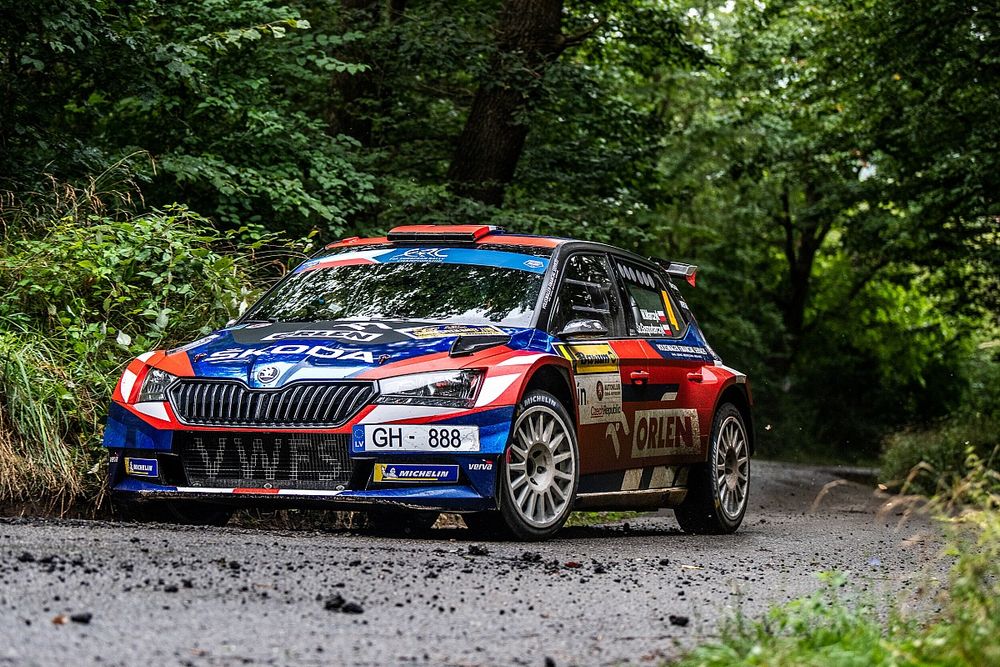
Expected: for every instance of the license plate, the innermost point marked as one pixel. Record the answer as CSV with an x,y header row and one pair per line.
x,y
416,438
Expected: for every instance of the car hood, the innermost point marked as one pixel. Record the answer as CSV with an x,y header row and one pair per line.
x,y
273,354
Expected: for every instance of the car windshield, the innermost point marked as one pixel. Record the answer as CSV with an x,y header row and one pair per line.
x,y
340,287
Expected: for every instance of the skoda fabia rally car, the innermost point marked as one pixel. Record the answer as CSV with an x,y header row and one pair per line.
x,y
509,378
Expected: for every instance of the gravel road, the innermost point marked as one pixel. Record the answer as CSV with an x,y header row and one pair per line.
x,y
86,592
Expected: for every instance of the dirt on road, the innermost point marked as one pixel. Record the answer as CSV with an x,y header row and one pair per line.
x,y
635,592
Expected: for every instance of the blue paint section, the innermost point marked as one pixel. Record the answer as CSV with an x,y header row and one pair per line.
x,y
450,497
125,430
225,356
690,348
440,255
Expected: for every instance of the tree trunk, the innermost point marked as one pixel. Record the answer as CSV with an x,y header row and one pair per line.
x,y
804,234
348,91
529,37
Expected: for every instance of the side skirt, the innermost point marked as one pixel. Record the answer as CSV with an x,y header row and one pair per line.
x,y
631,500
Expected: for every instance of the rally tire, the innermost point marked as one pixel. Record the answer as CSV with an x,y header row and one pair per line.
x,y
719,489
181,512
539,475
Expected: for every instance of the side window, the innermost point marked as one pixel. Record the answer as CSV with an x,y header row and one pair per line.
x,y
652,312
587,291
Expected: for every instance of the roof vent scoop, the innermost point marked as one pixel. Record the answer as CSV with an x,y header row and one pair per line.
x,y
442,233
466,345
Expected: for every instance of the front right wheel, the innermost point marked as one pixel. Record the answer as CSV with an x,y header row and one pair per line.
x,y
538,478
718,489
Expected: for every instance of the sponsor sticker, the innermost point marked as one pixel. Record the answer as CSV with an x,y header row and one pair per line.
x,y
141,467
600,397
420,255
483,466
590,357
415,438
448,330
665,433
354,333
405,472
673,351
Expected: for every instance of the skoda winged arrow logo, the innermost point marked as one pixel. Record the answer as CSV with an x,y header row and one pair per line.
x,y
267,374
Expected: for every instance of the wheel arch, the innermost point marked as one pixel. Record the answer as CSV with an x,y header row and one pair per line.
x,y
554,379
737,394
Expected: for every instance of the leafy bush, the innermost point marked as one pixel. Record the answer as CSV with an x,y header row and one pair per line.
x,y
930,459
79,298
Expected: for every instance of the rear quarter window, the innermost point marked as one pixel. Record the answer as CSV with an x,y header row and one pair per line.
x,y
652,311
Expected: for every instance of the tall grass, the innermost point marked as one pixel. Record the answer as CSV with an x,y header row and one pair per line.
x,y
86,284
827,629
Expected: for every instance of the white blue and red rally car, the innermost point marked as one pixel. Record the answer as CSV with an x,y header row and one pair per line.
x,y
506,377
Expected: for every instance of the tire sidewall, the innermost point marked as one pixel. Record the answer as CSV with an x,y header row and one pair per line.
x,y
724,412
512,518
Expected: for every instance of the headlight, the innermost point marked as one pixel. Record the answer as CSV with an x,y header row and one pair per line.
x,y
154,386
444,388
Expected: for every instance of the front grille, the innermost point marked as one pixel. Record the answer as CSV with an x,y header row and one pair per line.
x,y
301,404
281,460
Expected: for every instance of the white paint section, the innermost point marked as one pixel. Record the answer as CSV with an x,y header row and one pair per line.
x,y
144,357
494,387
669,396
382,414
739,377
128,383
155,410
522,360
632,479
662,477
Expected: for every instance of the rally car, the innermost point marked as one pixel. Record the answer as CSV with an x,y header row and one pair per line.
x,y
509,378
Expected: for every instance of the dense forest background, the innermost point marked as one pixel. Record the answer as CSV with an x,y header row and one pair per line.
x,y
833,167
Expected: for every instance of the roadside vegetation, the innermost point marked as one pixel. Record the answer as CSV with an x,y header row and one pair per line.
x,y
830,166
86,283
840,627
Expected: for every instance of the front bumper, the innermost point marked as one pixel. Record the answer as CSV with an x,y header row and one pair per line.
x,y
157,471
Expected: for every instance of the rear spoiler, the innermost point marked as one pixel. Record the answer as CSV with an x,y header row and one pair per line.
x,y
678,270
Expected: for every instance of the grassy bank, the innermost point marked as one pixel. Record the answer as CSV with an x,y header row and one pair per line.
x,y
82,292
832,628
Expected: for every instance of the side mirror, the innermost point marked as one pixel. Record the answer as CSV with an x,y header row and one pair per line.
x,y
583,328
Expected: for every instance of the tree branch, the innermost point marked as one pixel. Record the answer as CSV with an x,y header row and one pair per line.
x,y
578,38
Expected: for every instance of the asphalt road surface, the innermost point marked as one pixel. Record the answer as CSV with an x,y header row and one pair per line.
x,y
596,595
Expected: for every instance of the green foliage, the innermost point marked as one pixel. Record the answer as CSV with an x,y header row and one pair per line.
x,y
831,166
81,297
932,458
209,89
827,628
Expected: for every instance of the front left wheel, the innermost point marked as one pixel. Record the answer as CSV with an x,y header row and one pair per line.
x,y
538,477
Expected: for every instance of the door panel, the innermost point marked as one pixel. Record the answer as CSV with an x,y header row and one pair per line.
x,y
667,426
